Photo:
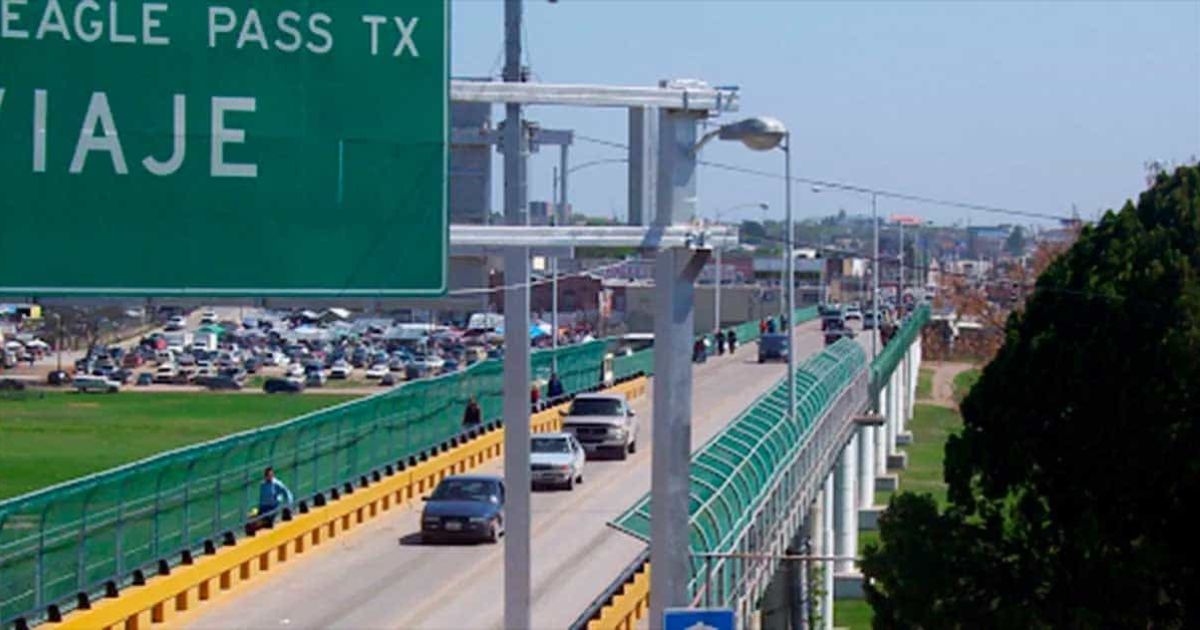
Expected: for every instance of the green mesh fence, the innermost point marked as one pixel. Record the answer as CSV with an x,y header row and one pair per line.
x,y
77,536
732,472
886,361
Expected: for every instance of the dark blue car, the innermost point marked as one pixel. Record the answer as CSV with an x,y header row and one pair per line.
x,y
465,507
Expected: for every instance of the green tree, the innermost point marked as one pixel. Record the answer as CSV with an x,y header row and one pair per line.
x,y
1015,245
1070,482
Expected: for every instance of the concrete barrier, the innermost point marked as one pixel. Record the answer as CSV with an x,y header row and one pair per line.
x,y
628,606
165,597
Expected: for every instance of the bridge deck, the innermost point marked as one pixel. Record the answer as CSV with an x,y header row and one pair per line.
x,y
379,576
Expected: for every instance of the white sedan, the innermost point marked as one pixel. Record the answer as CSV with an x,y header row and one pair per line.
x,y
556,459
379,370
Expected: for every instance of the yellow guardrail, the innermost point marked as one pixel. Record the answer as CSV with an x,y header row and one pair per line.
x,y
164,598
628,606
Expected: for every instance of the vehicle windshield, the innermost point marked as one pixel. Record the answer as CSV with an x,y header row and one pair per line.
x,y
465,490
550,445
595,407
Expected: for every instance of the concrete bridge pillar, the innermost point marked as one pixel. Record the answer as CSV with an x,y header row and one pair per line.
x,y
866,467
827,549
847,580
896,459
902,392
845,506
881,434
893,411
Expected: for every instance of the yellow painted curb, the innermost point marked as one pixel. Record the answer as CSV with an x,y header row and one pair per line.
x,y
628,606
163,598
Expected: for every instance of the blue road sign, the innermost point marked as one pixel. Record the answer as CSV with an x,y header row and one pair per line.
x,y
698,619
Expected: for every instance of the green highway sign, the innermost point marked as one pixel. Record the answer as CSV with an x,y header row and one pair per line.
x,y
224,147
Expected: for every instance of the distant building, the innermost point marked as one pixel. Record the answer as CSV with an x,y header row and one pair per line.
x,y
987,242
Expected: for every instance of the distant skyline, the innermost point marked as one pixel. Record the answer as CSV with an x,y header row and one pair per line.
x,y
1029,106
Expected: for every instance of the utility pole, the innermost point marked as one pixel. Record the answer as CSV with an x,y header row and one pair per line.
x,y
875,279
517,526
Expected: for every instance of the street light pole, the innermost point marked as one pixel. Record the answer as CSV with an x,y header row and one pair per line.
x,y
875,279
790,269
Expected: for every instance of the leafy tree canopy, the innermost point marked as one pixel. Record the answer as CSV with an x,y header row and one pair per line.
x,y
1071,482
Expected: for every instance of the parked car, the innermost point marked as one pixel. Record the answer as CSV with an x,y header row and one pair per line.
x,y
57,377
378,370
467,507
315,378
132,360
870,320
145,378
853,312
208,317
86,384
220,383
283,385
340,370
121,376
388,380
556,459
772,346
602,422
166,373
176,322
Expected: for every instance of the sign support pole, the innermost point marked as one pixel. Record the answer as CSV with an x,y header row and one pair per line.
x,y
517,575
675,271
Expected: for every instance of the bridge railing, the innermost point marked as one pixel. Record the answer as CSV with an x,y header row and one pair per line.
x,y
750,484
748,466
890,356
99,532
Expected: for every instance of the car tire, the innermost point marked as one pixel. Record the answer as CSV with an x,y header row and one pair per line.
x,y
622,453
633,447
569,484
493,535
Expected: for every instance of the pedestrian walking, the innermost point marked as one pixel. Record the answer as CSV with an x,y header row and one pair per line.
x,y
472,416
272,496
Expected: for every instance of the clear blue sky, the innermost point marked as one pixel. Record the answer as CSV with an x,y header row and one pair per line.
x,y
1027,105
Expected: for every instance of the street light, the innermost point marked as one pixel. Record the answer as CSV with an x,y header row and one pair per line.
x,y
717,249
765,134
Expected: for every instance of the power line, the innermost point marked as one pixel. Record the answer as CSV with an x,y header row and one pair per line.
x,y
856,188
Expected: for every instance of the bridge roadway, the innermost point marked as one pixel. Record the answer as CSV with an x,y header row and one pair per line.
x,y
380,576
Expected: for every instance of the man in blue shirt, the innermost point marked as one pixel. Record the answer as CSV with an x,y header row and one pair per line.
x,y
272,495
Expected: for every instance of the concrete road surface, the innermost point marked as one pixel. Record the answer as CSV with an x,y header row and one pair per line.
x,y
380,576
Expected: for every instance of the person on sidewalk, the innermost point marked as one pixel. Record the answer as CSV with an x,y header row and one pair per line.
x,y
273,495
472,416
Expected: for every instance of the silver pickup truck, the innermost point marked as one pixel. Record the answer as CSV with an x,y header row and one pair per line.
x,y
602,422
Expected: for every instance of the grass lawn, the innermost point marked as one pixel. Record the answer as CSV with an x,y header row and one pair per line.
x,y
925,383
963,381
855,614
59,436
